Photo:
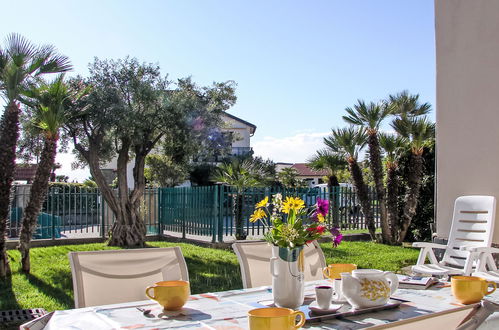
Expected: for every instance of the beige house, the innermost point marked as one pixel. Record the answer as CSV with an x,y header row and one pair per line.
x,y
241,132
467,54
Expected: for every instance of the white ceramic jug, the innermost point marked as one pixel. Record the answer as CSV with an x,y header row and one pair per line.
x,y
368,287
286,267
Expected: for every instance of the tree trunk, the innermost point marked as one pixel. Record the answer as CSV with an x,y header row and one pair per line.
x,y
392,188
238,215
129,229
377,169
9,134
334,196
363,194
37,195
412,194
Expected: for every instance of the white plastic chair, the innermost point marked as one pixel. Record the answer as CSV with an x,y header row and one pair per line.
x,y
472,226
115,276
486,268
254,260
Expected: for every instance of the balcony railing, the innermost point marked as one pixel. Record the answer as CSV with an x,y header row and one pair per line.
x,y
217,158
239,151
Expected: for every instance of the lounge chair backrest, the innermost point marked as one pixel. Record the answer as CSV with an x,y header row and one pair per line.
x,y
115,276
254,261
472,225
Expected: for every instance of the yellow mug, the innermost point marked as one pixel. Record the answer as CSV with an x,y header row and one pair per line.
x,y
470,289
275,318
333,271
172,295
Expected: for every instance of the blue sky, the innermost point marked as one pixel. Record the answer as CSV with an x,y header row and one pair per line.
x,y
297,64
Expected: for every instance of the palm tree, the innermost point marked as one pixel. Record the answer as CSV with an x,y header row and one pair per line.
x,y
332,163
21,63
288,177
393,145
406,105
348,142
419,132
240,174
48,103
370,116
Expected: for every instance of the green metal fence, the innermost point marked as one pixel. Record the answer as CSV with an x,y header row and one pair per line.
x,y
209,211
189,210
77,212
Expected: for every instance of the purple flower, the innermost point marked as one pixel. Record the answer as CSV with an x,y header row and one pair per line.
x,y
337,240
334,231
337,236
322,206
313,217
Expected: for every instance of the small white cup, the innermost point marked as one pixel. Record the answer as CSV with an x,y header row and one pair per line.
x,y
338,295
324,295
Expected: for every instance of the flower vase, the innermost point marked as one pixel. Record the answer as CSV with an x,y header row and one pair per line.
x,y
287,269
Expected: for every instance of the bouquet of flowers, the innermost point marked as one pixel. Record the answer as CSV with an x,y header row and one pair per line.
x,y
291,224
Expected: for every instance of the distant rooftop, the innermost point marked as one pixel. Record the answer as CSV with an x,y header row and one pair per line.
x,y
25,172
304,170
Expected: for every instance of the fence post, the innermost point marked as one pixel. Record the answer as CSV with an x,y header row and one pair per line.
x,y
221,199
51,217
336,206
214,226
184,202
158,210
103,215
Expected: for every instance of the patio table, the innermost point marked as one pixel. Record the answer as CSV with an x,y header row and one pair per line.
x,y
228,310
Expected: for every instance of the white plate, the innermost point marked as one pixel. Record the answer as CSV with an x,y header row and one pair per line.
x,y
314,307
338,301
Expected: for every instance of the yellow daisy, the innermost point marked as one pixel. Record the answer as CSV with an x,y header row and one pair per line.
x,y
320,217
257,215
292,203
262,203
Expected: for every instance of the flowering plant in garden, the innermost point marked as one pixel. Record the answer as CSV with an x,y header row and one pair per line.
x,y
290,223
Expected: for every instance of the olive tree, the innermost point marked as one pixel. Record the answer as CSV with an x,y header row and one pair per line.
x,y
130,109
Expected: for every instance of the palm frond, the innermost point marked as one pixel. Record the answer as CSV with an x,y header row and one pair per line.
x,y
369,115
49,61
325,159
49,102
4,59
417,130
404,104
347,140
21,64
238,173
392,144
19,49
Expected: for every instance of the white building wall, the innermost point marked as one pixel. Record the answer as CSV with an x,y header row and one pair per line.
x,y
242,132
467,45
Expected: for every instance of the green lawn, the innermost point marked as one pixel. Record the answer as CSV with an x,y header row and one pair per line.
x,y
50,286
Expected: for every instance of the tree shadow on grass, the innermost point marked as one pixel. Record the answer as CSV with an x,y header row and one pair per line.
x,y
332,253
55,293
8,299
211,276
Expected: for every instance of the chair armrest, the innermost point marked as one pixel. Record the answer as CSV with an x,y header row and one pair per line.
x,y
428,245
479,249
